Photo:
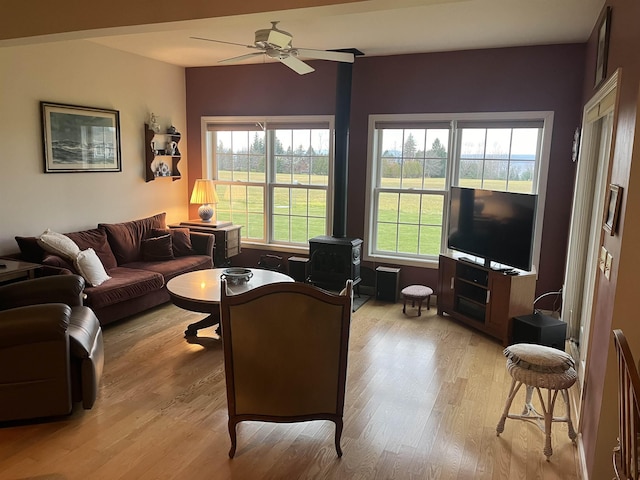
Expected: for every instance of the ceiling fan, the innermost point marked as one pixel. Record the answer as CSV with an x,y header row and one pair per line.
x,y
276,43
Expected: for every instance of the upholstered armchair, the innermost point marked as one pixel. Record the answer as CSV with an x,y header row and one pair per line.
x,y
51,349
285,354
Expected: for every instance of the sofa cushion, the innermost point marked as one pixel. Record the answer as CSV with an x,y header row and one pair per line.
x,y
180,240
90,267
157,248
30,251
95,238
58,244
172,268
126,238
125,284
56,261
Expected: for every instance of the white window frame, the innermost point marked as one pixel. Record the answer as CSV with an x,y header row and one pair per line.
x,y
540,176
209,170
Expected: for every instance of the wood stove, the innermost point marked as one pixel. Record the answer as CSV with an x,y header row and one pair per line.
x,y
336,259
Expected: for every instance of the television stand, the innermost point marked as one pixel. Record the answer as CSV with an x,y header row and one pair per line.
x,y
483,298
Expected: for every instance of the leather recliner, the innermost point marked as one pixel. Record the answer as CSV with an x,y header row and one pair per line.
x,y
51,348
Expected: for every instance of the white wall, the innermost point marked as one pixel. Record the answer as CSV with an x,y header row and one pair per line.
x,y
87,74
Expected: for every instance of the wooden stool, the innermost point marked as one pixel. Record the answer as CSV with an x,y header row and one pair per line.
x,y
416,293
536,367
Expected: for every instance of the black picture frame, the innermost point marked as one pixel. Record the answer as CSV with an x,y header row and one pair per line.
x,y
80,139
602,52
612,209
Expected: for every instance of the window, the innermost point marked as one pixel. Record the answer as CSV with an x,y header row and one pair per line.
x,y
273,176
415,159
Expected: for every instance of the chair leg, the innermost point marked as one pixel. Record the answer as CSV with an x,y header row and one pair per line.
x,y
339,426
232,434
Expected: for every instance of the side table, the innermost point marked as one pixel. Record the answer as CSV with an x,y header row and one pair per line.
x,y
227,238
16,270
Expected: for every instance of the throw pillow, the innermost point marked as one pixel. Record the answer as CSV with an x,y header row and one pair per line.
x,y
539,358
59,244
90,267
180,240
157,249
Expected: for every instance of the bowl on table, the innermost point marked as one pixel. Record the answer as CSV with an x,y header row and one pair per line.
x,y
236,275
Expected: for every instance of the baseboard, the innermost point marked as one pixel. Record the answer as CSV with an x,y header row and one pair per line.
x,y
583,474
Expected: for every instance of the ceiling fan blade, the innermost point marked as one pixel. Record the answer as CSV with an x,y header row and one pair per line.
x,y
325,55
296,65
222,41
240,58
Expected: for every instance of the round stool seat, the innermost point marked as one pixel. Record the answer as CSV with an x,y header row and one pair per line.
x,y
554,381
416,293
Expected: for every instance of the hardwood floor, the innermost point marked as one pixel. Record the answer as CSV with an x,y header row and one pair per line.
x,y
424,396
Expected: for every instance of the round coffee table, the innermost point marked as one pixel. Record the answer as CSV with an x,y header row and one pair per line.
x,y
199,291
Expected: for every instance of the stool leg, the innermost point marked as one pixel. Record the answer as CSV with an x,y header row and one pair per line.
x,y
548,420
419,307
572,432
512,393
428,302
528,406
404,305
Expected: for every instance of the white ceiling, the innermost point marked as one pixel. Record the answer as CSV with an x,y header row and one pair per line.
x,y
377,27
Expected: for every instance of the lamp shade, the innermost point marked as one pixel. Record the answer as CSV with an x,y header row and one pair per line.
x,y
204,192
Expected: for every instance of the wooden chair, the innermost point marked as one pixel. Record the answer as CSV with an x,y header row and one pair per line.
x,y
285,354
625,455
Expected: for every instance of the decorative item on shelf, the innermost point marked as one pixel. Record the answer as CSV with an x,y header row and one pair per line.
x,y
204,193
153,123
172,130
163,170
172,149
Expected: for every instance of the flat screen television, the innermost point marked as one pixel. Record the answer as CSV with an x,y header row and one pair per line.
x,y
497,226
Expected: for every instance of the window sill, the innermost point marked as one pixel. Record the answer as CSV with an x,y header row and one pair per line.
x,y
408,262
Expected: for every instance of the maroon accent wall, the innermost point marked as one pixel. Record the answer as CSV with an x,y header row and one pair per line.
x,y
509,79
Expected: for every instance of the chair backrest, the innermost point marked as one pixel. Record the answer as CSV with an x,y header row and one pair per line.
x,y
625,458
285,353
285,347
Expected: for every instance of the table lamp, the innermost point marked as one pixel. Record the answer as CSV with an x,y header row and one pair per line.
x,y
204,193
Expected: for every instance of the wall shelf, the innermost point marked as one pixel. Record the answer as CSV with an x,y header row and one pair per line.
x,y
156,147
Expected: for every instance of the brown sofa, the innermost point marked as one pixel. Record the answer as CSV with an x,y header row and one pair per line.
x,y
138,269
53,345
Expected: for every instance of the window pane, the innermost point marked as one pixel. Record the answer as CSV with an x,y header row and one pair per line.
x,y
388,207
409,208
253,226
387,236
432,210
319,170
473,143
281,229
408,238
412,173
299,231
521,177
430,237
524,145
498,142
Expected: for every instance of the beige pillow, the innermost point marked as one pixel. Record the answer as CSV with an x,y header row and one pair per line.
x,y
90,267
58,244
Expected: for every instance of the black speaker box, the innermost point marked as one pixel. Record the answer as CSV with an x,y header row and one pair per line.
x,y
540,329
387,283
298,268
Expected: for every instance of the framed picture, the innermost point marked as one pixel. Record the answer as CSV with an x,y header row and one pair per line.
x,y
603,46
612,209
80,139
